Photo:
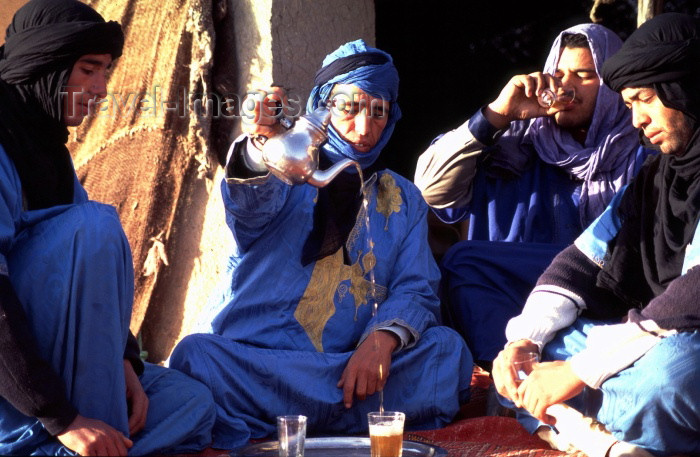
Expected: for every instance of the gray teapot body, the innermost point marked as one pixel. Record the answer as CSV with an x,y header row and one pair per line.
x,y
292,156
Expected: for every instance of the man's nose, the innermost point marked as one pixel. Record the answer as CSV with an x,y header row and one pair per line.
x,y
362,121
566,80
99,86
639,118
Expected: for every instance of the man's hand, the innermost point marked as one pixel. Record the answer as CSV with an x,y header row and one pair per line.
x,y
263,109
504,376
518,99
548,384
362,376
93,437
136,399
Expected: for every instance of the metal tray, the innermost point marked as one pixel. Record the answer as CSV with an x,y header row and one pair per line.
x,y
338,447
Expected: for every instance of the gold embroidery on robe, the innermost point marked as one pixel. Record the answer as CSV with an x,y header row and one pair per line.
x,y
316,305
388,198
369,261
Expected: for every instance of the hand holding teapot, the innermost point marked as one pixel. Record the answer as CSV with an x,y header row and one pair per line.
x,y
291,152
262,112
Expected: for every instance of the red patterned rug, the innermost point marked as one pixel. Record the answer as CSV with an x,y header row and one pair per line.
x,y
485,436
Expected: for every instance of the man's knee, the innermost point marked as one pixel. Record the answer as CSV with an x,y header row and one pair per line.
x,y
189,350
97,222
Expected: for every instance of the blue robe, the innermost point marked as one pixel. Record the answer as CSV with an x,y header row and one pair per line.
x,y
71,268
280,333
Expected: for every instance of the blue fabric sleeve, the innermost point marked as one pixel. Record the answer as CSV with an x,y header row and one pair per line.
x,y
595,240
482,129
250,203
486,134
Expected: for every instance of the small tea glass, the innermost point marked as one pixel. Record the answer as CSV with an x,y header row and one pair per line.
x,y
556,98
523,363
386,433
291,433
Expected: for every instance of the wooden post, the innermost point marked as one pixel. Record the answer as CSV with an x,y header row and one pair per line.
x,y
646,9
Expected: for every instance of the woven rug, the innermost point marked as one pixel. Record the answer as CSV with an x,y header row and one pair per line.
x,y
472,433
485,436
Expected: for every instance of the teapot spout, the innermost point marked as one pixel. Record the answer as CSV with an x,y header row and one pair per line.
x,y
321,178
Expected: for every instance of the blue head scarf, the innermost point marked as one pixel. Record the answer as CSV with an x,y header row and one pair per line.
x,y
375,75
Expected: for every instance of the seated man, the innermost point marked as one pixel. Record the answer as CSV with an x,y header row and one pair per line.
x,y
519,171
295,330
71,379
617,314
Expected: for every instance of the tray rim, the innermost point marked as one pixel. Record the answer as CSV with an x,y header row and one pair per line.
x,y
315,441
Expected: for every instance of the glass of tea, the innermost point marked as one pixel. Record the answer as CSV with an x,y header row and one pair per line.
x,y
386,433
556,98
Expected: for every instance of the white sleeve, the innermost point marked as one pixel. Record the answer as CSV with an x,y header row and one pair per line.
x,y
445,171
547,310
404,334
612,348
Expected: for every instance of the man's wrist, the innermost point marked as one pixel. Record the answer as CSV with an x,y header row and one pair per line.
x,y
252,154
523,343
394,337
495,118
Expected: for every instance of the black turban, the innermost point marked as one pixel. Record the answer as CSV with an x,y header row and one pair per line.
x,y
663,53
43,42
48,35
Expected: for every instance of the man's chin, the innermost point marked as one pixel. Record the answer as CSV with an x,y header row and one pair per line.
x,y
569,121
363,150
73,121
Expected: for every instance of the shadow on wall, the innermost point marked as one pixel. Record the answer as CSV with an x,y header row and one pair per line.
x,y
225,72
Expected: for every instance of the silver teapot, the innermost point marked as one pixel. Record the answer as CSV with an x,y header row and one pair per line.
x,y
292,156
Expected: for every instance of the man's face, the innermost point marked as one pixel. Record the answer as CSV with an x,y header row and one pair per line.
x,y
576,69
358,117
86,83
665,127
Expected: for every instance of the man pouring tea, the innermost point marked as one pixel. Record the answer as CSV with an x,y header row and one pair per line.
x,y
330,292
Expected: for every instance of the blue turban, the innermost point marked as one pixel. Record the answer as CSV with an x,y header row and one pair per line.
x,y
373,71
